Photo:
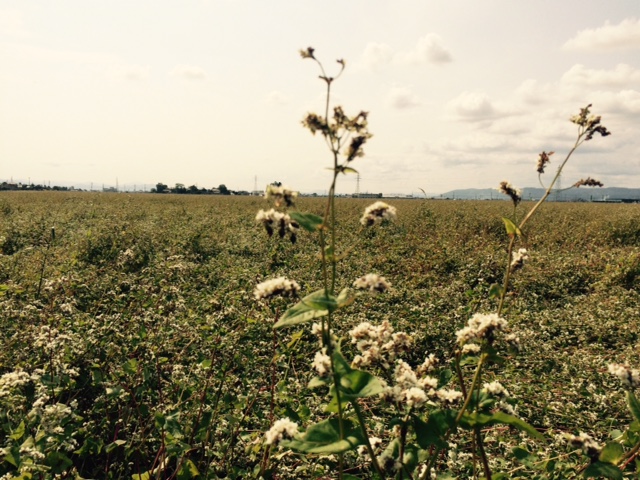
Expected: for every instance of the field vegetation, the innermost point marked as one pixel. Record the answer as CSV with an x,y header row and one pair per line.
x,y
132,343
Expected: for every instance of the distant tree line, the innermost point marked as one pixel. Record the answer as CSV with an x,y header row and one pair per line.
x,y
193,190
32,186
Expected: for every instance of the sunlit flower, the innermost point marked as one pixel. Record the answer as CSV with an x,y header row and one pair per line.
x,y
322,363
278,221
448,396
374,283
628,376
495,389
282,429
276,286
280,194
585,442
518,259
508,189
481,326
377,212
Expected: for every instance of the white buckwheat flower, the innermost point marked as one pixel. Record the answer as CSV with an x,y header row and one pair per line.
x,y
282,429
481,326
415,397
372,282
377,212
276,286
448,396
518,259
322,363
584,442
629,377
495,389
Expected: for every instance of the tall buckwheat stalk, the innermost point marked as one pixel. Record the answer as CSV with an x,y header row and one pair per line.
x,y
416,409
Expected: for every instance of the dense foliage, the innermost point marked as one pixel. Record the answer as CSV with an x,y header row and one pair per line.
x,y
132,345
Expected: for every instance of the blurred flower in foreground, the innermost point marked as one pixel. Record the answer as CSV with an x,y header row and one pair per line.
x,y
377,212
276,286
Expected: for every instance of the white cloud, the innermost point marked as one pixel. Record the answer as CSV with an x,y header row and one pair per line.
x,y
402,97
189,72
429,49
625,35
622,75
376,55
473,106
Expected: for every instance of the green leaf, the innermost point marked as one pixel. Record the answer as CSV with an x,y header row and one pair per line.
x,y
188,470
346,170
308,221
345,298
600,469
18,432
432,432
634,405
324,437
319,382
354,383
314,305
511,227
130,367
294,338
482,420
495,290
612,453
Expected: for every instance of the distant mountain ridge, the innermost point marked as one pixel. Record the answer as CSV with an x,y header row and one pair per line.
x,y
582,194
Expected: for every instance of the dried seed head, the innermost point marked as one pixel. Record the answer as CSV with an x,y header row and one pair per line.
x,y
508,189
588,182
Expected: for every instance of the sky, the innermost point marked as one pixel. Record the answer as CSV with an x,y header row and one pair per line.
x,y
460,93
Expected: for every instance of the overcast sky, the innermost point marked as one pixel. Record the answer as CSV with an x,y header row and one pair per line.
x,y
461,94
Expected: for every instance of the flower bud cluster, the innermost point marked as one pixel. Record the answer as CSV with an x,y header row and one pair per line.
x,y
378,344
585,442
590,123
414,389
280,194
513,192
378,212
276,286
282,429
374,283
280,222
322,363
481,327
628,376
518,259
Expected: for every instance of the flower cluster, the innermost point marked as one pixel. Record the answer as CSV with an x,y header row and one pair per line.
x,y
374,283
590,123
628,376
508,189
378,344
276,286
518,259
543,159
481,326
495,389
322,362
281,430
414,389
280,194
282,222
585,442
378,212
588,182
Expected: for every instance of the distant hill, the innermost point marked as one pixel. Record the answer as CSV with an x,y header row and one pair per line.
x,y
582,194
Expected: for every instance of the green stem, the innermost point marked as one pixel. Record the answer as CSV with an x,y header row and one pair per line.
x,y
483,454
374,459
